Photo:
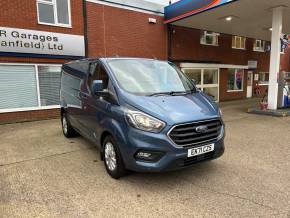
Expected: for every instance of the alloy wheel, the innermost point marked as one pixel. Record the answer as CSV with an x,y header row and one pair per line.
x,y
110,156
64,125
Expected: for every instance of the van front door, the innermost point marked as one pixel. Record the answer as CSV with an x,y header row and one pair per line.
x,y
95,109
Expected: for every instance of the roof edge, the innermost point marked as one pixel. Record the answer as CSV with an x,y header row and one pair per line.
x,y
198,7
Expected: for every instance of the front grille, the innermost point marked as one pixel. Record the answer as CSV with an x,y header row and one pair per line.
x,y
187,135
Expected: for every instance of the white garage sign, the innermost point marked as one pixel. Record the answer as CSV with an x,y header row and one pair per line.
x,y
39,42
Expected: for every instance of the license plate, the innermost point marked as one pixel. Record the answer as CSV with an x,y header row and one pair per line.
x,y
200,150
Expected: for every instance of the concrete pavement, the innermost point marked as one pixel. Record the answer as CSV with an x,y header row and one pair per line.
x,y
43,174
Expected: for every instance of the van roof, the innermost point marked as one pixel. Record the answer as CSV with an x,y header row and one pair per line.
x,y
82,65
78,66
106,59
112,57
126,58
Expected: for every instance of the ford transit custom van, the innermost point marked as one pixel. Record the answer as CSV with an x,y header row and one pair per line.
x,y
144,115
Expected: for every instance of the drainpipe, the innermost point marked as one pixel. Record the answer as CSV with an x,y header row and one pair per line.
x,y
169,46
85,17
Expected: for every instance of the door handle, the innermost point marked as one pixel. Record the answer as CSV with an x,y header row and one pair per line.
x,y
84,95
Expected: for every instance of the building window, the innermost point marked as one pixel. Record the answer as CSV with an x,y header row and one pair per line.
x,y
54,12
18,87
238,42
263,78
29,87
209,38
206,80
49,85
235,80
259,45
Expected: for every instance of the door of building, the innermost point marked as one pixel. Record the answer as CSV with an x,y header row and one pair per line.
x,y
207,79
250,84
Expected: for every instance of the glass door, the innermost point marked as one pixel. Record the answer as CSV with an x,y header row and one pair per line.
x,y
206,79
250,84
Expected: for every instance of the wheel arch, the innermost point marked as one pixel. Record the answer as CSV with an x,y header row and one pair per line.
x,y
62,111
103,137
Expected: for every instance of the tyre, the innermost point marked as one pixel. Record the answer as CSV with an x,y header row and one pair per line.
x,y
67,128
112,158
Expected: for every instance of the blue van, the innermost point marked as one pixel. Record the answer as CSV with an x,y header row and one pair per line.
x,y
144,115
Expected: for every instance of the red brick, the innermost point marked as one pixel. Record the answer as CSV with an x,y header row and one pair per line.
x,y
22,116
114,31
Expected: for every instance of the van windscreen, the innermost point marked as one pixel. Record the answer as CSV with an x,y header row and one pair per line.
x,y
149,77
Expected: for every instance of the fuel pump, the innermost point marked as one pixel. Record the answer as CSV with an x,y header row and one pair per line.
x,y
284,90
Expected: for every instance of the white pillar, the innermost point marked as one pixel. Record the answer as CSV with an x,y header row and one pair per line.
x,y
277,22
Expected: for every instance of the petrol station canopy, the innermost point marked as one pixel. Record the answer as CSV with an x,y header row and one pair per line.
x,y
248,18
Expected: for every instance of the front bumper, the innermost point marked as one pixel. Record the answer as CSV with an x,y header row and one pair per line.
x,y
173,157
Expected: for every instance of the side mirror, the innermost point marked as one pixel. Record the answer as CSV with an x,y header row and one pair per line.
x,y
98,90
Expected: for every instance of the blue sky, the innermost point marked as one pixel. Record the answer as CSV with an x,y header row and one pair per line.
x,y
164,2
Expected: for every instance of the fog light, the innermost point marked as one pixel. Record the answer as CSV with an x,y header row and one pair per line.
x,y
143,155
151,156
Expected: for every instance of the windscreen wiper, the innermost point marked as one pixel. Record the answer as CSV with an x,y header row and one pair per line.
x,y
192,91
172,93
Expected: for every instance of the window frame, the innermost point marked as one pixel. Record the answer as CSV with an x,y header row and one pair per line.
x,y
264,82
243,82
261,48
39,107
203,86
97,65
205,33
239,37
56,23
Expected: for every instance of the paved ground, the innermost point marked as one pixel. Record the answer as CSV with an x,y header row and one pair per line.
x,y
42,174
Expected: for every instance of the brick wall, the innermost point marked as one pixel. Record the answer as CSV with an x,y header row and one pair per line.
x,y
285,61
28,115
23,14
186,46
114,31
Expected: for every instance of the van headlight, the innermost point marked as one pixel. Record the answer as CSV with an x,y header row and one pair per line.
x,y
144,121
222,133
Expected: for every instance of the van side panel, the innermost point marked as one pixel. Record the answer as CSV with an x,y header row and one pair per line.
x,y
70,95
